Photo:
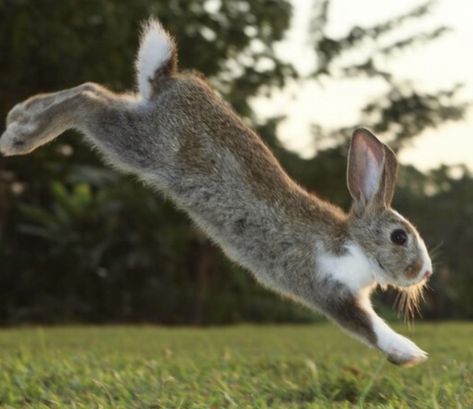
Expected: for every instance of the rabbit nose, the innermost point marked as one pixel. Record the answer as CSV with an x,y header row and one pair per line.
x,y
427,274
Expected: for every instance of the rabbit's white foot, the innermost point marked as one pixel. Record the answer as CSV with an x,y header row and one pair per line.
x,y
402,351
399,349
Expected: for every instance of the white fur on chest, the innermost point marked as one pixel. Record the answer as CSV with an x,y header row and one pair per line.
x,y
353,268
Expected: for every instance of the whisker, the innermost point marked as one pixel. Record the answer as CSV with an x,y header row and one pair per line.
x,y
408,301
436,251
436,247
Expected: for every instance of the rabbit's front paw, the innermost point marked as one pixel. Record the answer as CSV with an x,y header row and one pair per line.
x,y
402,351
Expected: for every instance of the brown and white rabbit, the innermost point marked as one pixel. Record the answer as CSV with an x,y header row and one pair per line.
x,y
180,137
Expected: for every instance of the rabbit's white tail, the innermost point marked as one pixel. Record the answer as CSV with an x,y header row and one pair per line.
x,y
157,58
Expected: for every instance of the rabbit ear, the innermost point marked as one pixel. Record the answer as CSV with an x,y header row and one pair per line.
x,y
366,168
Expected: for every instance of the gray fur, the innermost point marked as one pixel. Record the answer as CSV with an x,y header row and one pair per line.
x,y
187,143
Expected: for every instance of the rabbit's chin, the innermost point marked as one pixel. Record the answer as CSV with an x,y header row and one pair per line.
x,y
418,281
403,285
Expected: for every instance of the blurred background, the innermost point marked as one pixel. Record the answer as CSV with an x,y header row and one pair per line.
x,y
81,243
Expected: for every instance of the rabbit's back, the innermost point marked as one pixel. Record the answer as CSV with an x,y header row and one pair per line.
x,y
218,170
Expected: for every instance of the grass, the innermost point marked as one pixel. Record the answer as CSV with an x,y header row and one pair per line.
x,y
233,367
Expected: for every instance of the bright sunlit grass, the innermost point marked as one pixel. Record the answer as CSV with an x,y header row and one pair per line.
x,y
239,367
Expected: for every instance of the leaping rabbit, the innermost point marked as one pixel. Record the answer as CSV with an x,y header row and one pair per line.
x,y
181,138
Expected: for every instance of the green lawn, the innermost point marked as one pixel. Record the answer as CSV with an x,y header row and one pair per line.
x,y
240,367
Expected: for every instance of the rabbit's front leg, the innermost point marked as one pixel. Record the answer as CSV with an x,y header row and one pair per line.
x,y
43,117
357,316
399,349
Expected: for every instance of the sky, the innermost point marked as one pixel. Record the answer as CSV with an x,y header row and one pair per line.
x,y
439,64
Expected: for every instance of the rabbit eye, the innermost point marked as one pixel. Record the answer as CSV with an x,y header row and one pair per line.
x,y
399,237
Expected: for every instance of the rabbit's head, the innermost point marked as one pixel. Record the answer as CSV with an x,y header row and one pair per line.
x,y
388,239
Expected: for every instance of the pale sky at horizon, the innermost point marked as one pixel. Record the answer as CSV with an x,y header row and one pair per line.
x,y
440,64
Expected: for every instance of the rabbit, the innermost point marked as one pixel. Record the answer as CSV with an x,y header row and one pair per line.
x,y
180,138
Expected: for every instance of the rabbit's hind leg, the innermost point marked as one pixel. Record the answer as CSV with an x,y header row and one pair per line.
x,y
43,117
